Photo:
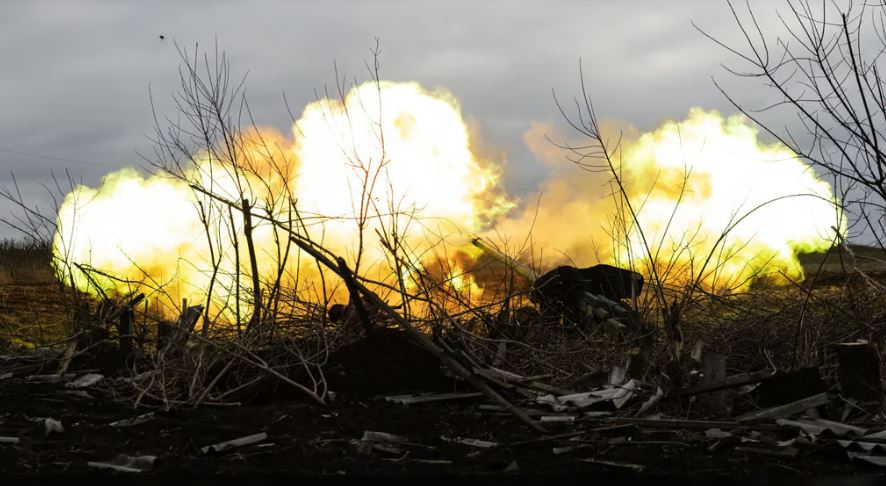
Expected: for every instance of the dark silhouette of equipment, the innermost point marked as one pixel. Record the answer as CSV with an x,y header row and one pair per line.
x,y
572,294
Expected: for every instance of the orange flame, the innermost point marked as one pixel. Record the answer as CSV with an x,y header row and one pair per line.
x,y
686,181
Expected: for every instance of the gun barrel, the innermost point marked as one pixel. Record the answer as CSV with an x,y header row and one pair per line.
x,y
518,267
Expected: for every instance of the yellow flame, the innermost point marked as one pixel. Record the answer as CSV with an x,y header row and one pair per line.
x,y
712,202
409,146
688,182
694,182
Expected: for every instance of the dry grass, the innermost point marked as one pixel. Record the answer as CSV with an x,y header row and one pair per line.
x,y
34,309
770,327
24,262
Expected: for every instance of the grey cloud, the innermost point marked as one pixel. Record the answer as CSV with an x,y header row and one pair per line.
x,y
75,75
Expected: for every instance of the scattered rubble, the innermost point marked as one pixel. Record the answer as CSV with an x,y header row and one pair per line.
x,y
231,444
52,425
85,381
127,464
623,417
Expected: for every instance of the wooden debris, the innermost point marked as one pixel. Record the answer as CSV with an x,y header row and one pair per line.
x,y
714,369
68,355
182,329
734,381
124,331
547,438
537,385
558,419
627,393
85,381
383,448
371,436
618,396
384,442
620,430
6,376
133,421
697,351
617,375
9,440
820,425
127,464
430,461
531,412
413,399
242,441
507,375
784,411
654,399
564,449
481,444
716,433
606,462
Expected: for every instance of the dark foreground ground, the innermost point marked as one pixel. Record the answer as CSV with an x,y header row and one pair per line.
x,y
306,439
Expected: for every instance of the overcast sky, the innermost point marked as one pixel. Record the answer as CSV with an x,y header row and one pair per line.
x,y
75,75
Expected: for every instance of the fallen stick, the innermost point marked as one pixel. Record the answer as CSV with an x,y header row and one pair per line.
x,y
481,444
606,462
112,467
786,410
124,463
212,383
133,421
547,438
230,444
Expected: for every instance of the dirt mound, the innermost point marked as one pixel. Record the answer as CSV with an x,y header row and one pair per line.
x,y
386,363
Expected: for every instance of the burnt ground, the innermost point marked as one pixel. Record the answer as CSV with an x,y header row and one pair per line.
x,y
304,438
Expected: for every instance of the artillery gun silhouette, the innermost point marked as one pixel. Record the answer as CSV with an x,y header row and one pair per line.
x,y
576,296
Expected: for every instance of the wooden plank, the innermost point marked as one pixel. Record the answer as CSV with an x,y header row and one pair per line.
x,y
413,399
786,410
605,462
547,438
231,444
